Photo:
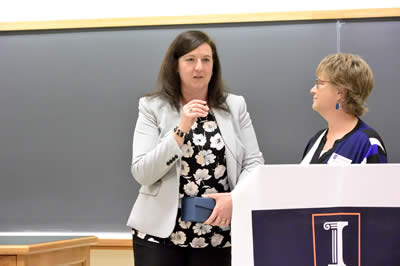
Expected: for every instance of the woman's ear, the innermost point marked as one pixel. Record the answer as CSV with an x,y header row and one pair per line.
x,y
341,94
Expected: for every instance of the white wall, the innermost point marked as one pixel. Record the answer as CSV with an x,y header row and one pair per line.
x,y
42,10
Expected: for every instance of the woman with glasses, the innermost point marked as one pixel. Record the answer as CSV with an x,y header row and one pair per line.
x,y
343,84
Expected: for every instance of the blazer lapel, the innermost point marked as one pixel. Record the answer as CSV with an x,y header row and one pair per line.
x,y
224,121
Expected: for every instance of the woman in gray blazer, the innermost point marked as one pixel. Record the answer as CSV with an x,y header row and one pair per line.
x,y
192,139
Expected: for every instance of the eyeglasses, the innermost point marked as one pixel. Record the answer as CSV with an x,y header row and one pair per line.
x,y
318,82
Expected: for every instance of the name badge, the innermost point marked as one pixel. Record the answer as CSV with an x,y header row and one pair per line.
x,y
337,159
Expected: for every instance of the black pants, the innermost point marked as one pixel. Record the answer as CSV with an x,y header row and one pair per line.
x,y
153,254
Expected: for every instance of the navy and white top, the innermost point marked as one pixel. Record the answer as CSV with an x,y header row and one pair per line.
x,y
359,146
203,171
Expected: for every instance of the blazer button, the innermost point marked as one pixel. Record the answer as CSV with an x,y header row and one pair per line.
x,y
168,163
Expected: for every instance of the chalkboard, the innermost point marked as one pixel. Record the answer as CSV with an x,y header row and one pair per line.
x,y
68,107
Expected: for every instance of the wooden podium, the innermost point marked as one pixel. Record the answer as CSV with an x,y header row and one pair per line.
x,y
45,250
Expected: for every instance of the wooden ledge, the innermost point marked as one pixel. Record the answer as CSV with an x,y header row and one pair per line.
x,y
48,246
113,244
201,19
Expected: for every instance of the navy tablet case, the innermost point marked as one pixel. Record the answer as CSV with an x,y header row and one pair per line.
x,y
197,209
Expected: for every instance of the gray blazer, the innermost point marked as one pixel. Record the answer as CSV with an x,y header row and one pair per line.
x,y
156,160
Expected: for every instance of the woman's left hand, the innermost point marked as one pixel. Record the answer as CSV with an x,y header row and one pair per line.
x,y
222,213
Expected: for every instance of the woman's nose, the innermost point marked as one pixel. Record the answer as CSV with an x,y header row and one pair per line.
x,y
313,90
198,65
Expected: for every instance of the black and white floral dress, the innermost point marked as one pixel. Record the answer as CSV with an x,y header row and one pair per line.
x,y
203,171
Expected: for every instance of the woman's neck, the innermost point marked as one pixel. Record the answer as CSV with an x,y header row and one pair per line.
x,y
340,124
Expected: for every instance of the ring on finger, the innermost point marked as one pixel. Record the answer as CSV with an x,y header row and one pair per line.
x,y
190,109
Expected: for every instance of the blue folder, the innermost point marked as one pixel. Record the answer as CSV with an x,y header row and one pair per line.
x,y
197,209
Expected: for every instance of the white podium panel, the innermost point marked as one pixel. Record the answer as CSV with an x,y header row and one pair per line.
x,y
317,215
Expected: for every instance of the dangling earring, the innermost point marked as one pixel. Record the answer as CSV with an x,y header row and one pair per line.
x,y
337,105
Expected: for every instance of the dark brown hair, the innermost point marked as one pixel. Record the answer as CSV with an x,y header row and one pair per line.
x,y
169,82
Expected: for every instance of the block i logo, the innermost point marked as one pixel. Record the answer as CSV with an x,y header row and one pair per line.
x,y
336,239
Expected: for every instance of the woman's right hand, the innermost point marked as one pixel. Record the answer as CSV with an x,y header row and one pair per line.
x,y
190,112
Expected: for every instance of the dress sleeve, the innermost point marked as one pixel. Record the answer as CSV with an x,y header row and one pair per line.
x,y
376,150
376,154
